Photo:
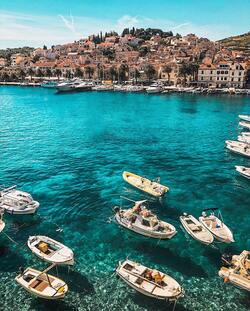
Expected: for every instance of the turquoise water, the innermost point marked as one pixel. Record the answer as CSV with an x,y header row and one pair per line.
x,y
70,150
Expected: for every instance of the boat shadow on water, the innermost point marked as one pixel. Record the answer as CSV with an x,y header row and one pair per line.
x,y
50,305
168,258
149,304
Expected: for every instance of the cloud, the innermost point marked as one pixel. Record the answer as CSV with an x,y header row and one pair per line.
x,y
17,29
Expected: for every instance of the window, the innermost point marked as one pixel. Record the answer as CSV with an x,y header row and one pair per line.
x,y
226,72
222,72
218,72
225,78
232,79
211,72
233,73
201,78
217,78
210,78
239,79
240,73
145,222
202,71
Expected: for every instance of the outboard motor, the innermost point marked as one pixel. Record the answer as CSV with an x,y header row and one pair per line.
x,y
116,209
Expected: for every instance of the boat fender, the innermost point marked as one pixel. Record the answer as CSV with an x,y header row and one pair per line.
x,y
226,280
21,269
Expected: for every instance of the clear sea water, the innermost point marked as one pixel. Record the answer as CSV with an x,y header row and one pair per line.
x,y
69,152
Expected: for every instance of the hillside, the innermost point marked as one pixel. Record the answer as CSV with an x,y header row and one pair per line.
x,y
238,43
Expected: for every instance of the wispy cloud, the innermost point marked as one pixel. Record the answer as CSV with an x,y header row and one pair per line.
x,y
18,29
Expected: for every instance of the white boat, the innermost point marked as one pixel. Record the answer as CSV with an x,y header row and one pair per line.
x,y
141,220
149,282
154,88
244,171
17,202
244,139
83,86
149,186
67,86
135,88
243,151
244,117
120,88
236,143
49,84
245,134
41,284
196,229
50,250
216,226
103,88
236,270
245,124
2,223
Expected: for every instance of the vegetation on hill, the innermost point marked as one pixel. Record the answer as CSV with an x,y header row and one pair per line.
x,y
6,53
238,43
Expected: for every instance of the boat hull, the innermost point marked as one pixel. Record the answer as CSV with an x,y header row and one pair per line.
x,y
150,234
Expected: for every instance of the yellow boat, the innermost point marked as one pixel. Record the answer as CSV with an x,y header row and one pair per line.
x,y
144,184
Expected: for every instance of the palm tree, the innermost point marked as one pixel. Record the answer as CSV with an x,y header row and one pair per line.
x,y
5,76
168,70
184,71
122,72
13,77
89,71
136,75
48,72
68,74
39,73
113,73
22,74
150,72
58,73
78,73
194,66
31,73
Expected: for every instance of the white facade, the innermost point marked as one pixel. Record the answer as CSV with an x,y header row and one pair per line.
x,y
222,75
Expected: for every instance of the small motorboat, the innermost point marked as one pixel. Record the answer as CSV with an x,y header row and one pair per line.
x,y
244,171
18,202
236,270
2,223
149,282
41,284
244,117
236,143
244,139
245,124
152,187
50,250
196,229
49,84
245,134
141,220
154,89
243,151
216,226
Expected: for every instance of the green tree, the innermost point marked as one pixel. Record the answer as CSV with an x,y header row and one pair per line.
x,y
150,72
58,73
89,71
113,73
48,73
68,74
136,75
22,74
168,70
35,58
31,73
122,72
78,73
13,77
5,76
40,73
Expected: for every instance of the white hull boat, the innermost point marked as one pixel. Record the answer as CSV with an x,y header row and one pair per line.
x,y
196,229
244,117
244,139
17,202
41,284
50,250
153,90
239,150
245,134
236,270
219,230
245,124
103,88
236,143
2,223
144,222
149,282
244,171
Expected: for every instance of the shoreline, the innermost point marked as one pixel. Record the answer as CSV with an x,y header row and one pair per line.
x,y
166,90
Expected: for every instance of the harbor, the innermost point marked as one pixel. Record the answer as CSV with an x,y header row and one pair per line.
x,y
69,152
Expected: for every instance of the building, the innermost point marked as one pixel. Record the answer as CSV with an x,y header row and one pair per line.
x,y
223,74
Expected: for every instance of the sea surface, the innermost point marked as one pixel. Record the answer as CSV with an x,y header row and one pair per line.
x,y
69,152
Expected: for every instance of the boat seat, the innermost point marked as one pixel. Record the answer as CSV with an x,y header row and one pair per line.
x,y
42,286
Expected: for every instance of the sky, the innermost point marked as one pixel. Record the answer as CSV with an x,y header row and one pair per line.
x,y
35,23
